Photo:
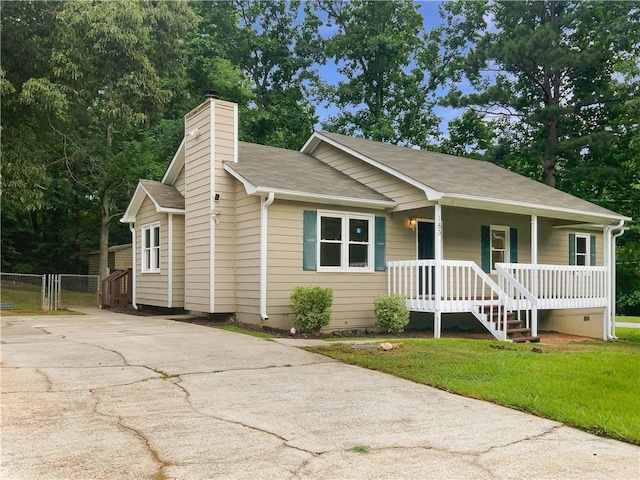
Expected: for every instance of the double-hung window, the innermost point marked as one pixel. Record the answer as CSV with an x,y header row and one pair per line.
x,y
345,242
582,249
499,245
151,248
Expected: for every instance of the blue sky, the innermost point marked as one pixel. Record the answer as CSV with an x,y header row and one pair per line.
x,y
429,11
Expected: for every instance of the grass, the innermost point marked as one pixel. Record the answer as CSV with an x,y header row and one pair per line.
x,y
594,386
28,301
628,334
235,329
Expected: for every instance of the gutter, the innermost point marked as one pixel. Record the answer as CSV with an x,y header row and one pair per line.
x,y
264,206
610,237
134,270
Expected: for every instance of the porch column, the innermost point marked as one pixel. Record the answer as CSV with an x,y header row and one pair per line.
x,y
534,273
437,315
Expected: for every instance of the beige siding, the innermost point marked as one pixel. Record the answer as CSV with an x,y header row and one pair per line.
x,y
197,185
407,196
199,222
247,256
122,259
178,261
353,292
553,243
585,322
179,183
151,288
461,230
225,186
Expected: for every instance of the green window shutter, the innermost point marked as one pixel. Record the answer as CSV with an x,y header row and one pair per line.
x,y
572,249
380,244
310,242
592,250
513,245
485,243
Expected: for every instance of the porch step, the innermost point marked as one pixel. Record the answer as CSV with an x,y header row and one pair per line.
x,y
525,339
518,330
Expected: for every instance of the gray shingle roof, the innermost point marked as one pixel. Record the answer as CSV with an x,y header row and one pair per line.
x,y
166,196
281,169
449,174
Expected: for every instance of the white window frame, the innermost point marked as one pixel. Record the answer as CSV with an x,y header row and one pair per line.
x,y
507,244
345,242
150,262
586,254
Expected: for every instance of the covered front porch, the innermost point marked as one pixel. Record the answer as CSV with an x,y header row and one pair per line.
x,y
508,308
486,263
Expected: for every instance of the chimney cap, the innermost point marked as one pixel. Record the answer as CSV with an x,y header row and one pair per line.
x,y
210,94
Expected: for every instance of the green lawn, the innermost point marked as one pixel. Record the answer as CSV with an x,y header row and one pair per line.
x,y
628,334
593,386
28,300
253,333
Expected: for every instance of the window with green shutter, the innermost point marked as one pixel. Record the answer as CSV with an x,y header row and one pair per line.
x,y
582,249
499,244
341,241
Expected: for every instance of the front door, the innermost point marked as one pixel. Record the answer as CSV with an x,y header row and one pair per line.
x,y
426,251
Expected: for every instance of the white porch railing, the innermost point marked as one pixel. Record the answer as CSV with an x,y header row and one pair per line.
x,y
557,286
451,286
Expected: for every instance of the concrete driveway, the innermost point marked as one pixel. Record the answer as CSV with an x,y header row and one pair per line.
x,y
111,396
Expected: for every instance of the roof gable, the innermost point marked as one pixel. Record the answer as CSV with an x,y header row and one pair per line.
x,y
295,175
165,198
177,162
462,181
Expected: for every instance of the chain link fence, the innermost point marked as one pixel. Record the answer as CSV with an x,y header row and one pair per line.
x,y
22,291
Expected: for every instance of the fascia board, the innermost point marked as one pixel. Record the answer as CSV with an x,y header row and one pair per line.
x,y
525,208
175,166
311,144
327,199
431,193
248,186
134,205
308,197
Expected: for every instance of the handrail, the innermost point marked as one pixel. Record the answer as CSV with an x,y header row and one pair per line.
x,y
503,273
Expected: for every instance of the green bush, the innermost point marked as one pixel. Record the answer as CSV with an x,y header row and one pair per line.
x,y
391,311
311,307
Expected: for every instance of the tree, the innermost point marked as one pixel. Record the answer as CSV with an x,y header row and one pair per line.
x,y
379,48
547,65
102,84
260,55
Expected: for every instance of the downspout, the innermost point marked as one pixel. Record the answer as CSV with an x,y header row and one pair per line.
x,y
170,261
612,332
609,326
134,270
264,206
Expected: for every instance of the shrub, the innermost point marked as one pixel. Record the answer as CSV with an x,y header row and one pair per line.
x,y
311,307
391,311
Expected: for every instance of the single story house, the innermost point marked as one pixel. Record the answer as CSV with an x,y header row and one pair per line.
x,y
233,227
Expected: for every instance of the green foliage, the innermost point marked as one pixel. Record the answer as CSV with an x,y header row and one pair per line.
x,y
391,312
311,307
537,63
592,386
379,48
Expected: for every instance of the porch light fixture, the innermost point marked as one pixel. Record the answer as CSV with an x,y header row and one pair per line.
x,y
412,223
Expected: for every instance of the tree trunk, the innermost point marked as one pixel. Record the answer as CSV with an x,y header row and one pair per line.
x,y
105,218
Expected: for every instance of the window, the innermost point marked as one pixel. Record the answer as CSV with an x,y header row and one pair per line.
x,y
582,249
151,248
499,245
345,242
